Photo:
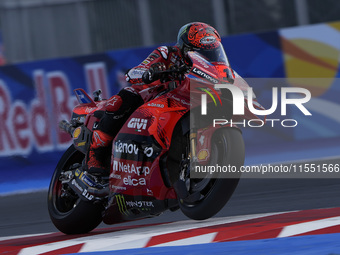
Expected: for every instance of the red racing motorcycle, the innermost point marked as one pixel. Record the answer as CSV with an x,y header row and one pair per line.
x,y
153,154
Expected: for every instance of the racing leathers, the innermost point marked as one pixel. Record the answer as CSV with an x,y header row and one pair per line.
x,y
119,107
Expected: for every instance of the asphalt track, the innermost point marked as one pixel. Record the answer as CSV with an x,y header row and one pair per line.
x,y
26,214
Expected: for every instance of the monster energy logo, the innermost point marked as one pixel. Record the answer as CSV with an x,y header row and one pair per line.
x,y
184,30
121,204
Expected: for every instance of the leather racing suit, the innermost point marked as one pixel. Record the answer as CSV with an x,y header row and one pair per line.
x,y
119,107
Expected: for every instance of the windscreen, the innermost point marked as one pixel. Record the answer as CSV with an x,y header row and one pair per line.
x,y
214,55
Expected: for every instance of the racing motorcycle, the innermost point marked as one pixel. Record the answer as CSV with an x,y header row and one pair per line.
x,y
153,154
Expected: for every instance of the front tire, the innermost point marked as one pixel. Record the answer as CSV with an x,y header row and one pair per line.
x,y
227,148
69,213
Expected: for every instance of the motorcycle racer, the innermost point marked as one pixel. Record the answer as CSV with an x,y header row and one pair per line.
x,y
196,36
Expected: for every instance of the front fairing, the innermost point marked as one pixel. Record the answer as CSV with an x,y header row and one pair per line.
x,y
204,75
210,71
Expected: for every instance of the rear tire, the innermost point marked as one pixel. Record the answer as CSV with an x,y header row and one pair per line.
x,y
70,214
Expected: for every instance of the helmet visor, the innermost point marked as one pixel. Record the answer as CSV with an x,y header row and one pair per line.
x,y
213,55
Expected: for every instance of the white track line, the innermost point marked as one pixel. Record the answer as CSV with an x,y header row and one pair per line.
x,y
21,236
306,227
201,239
134,238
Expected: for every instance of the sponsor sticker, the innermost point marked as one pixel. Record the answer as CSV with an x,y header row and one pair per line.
x,y
133,149
121,204
203,155
164,51
137,124
156,105
130,181
76,133
208,40
204,75
140,204
130,168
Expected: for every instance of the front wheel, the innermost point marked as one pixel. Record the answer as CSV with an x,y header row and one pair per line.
x,y
69,213
209,195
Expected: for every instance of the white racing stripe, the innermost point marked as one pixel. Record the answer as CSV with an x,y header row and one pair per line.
x,y
22,236
129,238
306,227
134,238
201,239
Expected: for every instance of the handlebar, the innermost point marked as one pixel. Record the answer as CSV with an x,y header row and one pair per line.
x,y
173,71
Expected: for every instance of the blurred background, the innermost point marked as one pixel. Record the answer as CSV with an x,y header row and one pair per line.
x,y
50,47
40,29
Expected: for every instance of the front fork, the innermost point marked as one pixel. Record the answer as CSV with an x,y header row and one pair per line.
x,y
193,138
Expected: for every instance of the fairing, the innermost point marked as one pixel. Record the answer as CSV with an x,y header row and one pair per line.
x,y
138,181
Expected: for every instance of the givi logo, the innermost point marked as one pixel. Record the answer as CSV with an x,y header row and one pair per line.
x,y
138,124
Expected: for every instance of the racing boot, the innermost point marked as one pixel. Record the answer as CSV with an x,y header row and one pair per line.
x,y
98,159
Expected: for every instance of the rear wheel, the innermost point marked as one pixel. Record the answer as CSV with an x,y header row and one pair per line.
x,y
69,213
207,196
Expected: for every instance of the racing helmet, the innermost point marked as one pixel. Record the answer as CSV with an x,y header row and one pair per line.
x,y
197,36
205,40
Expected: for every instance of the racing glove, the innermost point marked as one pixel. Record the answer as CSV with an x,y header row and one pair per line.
x,y
154,73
